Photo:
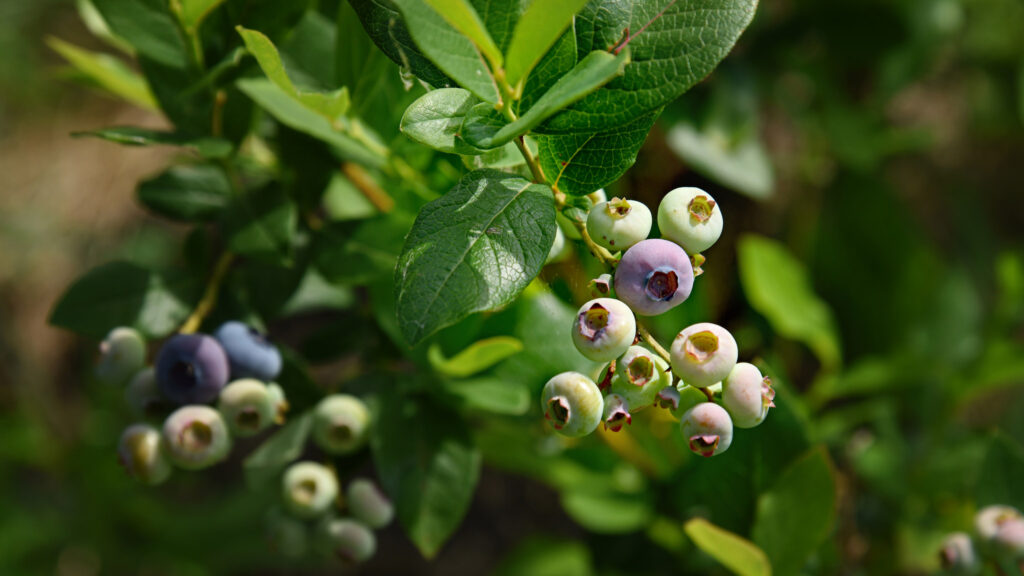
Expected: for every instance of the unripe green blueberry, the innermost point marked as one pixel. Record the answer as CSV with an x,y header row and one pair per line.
x,y
601,286
340,424
616,413
703,354
573,404
279,400
707,429
598,196
957,555
247,407
1008,541
619,223
989,518
346,539
309,490
691,218
122,354
560,249
141,452
196,437
142,395
368,504
747,395
286,535
639,376
603,329
688,398
668,398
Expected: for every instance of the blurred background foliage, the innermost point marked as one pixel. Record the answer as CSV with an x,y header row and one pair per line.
x,y
867,157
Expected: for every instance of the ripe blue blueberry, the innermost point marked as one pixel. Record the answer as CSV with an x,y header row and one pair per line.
x,y
958,556
691,218
619,223
703,354
653,277
747,395
640,375
196,437
142,395
249,351
141,453
573,404
247,407
191,369
122,354
347,540
309,490
707,429
603,329
340,424
368,504
616,413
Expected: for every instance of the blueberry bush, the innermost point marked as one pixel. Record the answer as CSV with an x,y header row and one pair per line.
x,y
414,253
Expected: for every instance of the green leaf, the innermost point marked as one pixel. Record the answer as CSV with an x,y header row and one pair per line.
x,y
293,114
452,52
107,72
193,12
191,192
607,512
1000,474
494,395
386,27
559,60
435,119
538,556
463,17
537,30
124,294
675,44
148,26
798,513
428,465
777,286
471,250
262,224
331,105
265,463
135,136
737,554
476,358
743,166
582,163
485,128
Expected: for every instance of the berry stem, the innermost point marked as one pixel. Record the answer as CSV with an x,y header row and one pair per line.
x,y
209,299
646,335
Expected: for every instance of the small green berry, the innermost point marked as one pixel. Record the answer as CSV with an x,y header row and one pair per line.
x,y
703,354
122,354
196,437
573,404
368,504
141,452
618,224
560,249
309,490
691,218
958,556
707,429
616,413
247,407
340,424
747,395
603,329
348,540
639,376
142,395
280,402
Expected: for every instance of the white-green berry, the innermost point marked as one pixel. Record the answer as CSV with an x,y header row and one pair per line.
x,y
347,540
141,453
247,406
603,329
196,437
707,429
122,354
619,223
309,490
573,404
747,395
703,354
639,376
142,395
368,504
341,423
691,218
277,396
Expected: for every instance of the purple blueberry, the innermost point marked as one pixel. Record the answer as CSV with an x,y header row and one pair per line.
x,y
191,369
653,277
251,354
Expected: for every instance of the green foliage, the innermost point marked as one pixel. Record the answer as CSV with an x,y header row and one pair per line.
x,y
734,552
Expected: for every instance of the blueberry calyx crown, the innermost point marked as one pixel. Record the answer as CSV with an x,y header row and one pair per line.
x,y
640,370
558,412
661,283
618,208
593,321
704,444
701,208
668,397
701,346
185,373
195,436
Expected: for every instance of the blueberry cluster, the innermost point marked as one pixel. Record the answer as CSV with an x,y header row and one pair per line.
x,y
998,536
322,519
234,370
699,380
